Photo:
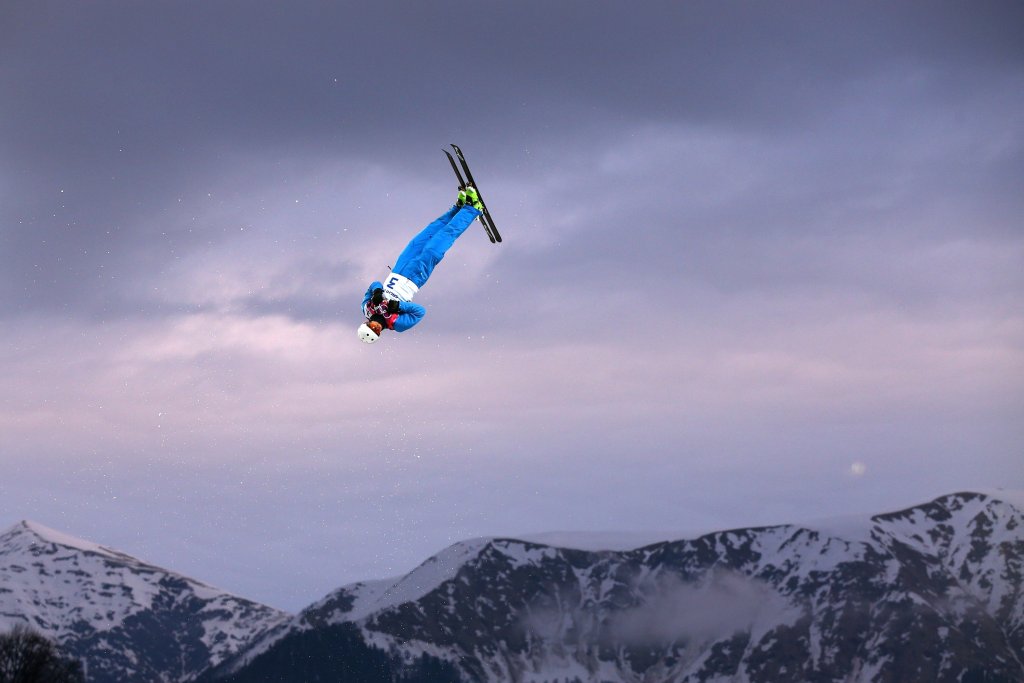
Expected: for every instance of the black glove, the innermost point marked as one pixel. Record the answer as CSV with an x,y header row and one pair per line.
x,y
378,296
393,306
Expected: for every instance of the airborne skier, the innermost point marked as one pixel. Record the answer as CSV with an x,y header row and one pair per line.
x,y
389,305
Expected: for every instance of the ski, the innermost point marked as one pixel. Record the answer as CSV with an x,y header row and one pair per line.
x,y
462,185
469,178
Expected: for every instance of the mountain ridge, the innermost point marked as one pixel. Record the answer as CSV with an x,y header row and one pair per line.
x,y
126,619
778,589
931,592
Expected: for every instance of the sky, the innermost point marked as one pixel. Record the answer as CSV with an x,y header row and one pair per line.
x,y
762,264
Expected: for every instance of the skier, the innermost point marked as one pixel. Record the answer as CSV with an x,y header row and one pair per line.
x,y
388,305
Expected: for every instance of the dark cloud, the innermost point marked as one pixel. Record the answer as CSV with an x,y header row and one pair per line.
x,y
745,242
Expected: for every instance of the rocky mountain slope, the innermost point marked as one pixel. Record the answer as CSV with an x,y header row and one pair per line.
x,y
124,619
931,593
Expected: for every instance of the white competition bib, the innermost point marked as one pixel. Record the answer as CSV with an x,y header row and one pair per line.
x,y
399,287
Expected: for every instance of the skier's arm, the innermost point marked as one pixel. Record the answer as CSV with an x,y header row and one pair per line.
x,y
408,315
369,292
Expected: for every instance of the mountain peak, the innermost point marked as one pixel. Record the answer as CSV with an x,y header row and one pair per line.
x,y
48,535
31,533
104,606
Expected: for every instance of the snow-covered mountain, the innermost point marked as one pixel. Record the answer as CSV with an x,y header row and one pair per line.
x,y
125,619
931,593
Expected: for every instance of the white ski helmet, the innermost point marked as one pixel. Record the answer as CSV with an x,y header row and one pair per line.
x,y
366,334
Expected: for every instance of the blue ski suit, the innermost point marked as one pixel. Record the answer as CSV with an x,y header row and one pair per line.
x,y
414,266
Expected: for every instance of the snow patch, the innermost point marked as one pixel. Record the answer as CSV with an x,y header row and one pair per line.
x,y
374,596
48,535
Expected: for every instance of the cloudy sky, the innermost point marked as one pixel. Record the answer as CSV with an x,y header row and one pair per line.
x,y
762,263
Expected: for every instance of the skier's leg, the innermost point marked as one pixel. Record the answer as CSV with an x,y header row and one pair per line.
x,y
416,245
419,269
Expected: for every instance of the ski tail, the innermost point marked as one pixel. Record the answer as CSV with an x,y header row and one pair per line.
x,y
458,173
462,184
486,219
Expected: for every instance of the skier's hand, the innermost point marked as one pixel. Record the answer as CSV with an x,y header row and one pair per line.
x,y
394,305
378,296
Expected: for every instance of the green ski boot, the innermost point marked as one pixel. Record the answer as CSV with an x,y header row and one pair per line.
x,y
471,198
